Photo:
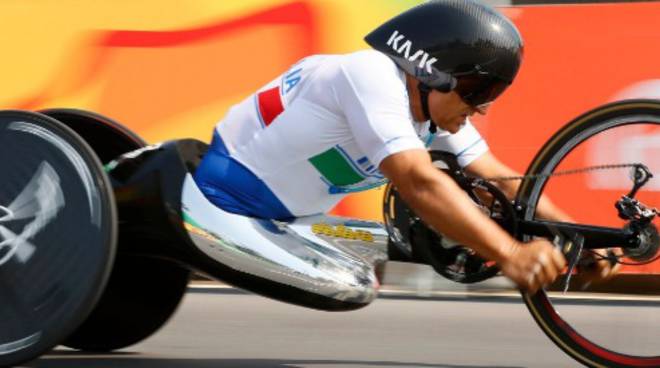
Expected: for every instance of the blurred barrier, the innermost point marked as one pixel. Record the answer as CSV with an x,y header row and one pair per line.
x,y
171,69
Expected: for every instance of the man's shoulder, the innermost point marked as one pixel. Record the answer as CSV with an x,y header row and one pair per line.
x,y
368,60
371,70
359,62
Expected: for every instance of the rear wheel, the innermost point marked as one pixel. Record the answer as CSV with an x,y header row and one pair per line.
x,y
627,327
141,296
143,292
57,233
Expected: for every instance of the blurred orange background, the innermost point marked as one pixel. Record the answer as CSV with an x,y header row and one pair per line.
x,y
170,69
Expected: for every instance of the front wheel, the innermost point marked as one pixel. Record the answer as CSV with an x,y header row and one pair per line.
x,y
614,323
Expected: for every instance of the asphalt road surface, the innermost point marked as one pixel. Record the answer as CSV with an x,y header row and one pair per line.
x,y
226,328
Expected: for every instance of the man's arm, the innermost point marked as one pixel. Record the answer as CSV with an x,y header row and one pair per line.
x,y
437,199
489,166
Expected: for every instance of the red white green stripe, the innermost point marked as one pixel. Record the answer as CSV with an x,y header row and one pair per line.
x,y
335,168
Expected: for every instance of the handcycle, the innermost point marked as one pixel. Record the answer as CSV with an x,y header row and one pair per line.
x,y
100,232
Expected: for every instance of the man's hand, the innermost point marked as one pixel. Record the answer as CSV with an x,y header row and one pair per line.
x,y
597,267
533,265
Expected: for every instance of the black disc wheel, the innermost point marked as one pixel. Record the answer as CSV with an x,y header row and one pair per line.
x,y
57,233
614,323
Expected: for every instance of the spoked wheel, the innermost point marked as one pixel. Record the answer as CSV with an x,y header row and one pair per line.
x,y
614,323
57,233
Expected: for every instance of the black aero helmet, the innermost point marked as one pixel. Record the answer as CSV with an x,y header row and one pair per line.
x,y
460,45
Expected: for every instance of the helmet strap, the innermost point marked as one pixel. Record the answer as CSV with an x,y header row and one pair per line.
x,y
424,91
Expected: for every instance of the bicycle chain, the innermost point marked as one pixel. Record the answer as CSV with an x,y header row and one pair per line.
x,y
564,173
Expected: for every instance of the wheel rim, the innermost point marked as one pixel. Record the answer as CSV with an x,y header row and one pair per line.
x,y
562,327
560,332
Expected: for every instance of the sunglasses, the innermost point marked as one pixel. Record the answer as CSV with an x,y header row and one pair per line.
x,y
478,90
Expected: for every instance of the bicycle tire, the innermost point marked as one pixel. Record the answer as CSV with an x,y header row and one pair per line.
x,y
553,324
53,181
142,294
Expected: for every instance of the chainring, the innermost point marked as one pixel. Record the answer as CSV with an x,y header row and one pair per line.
x,y
410,237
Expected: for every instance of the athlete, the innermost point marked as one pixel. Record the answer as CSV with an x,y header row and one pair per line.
x,y
336,124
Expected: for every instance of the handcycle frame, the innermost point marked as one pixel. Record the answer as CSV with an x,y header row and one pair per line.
x,y
595,237
153,183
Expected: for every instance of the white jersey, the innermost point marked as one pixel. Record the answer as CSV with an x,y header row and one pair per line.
x,y
321,129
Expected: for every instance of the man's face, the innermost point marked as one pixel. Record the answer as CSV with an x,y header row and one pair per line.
x,y
449,111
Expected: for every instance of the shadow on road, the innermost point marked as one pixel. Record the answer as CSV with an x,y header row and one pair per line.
x,y
64,359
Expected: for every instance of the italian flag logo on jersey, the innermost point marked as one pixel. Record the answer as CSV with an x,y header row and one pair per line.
x,y
338,169
343,175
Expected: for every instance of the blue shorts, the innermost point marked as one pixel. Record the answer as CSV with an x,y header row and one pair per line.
x,y
234,188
